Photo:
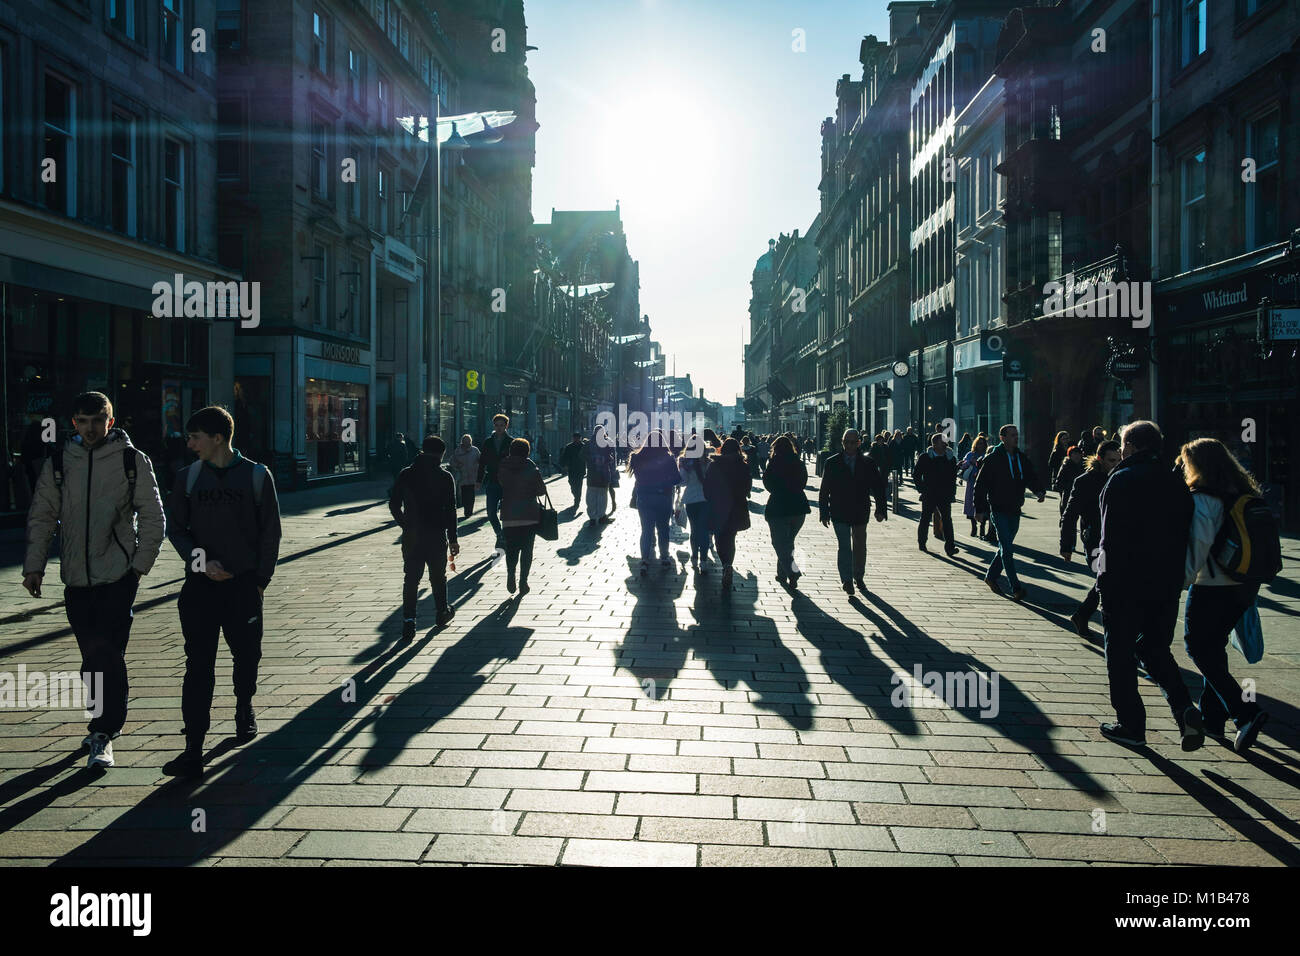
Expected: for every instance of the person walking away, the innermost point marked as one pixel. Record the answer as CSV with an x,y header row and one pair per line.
x,y
1060,447
521,484
692,466
1083,507
849,481
225,525
787,506
656,475
492,450
99,493
964,445
970,466
464,468
1216,600
1000,495
935,477
750,455
600,472
397,457
1146,517
1071,468
911,443
423,504
573,462
764,452
727,484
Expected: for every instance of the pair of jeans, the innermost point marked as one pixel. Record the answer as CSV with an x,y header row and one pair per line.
x,y
851,556
656,511
1212,612
784,529
575,485
416,556
467,499
101,616
492,491
1144,629
928,508
1006,523
697,513
519,549
209,608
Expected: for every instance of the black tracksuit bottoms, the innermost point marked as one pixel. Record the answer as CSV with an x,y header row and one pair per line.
x,y
232,607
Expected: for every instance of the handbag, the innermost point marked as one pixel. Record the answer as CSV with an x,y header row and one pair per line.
x,y
679,513
938,524
1248,635
548,524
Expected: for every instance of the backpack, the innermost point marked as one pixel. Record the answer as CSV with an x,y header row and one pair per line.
x,y
128,466
1248,546
259,478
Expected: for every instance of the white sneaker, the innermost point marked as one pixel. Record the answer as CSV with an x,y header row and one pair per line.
x,y
101,751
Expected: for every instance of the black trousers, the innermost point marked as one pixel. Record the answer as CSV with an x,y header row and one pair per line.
x,y
101,616
1212,612
1144,628
210,608
467,499
519,549
575,485
416,556
928,508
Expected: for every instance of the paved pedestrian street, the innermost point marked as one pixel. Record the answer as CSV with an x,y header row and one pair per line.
x,y
607,720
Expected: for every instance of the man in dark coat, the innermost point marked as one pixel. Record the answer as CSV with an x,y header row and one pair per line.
x,y
1146,517
423,504
1083,506
1000,493
492,449
935,477
849,481
573,462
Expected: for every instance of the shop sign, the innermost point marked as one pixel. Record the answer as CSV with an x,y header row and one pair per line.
x,y
1014,368
334,352
934,363
1284,324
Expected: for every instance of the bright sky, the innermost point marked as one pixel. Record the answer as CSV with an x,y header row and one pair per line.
x,y
702,120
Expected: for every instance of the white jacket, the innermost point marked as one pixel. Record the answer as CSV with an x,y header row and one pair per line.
x,y
1207,519
692,480
103,533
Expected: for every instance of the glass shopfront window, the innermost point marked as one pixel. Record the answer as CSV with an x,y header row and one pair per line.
x,y
469,416
335,411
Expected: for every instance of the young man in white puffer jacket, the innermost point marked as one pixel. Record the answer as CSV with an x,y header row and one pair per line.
x,y
110,539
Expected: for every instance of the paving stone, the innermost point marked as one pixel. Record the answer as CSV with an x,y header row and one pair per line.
x,y
627,853
330,845
586,825
764,856
462,848
692,830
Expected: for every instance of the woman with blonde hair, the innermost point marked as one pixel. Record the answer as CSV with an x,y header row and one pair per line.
x,y
1060,450
1216,602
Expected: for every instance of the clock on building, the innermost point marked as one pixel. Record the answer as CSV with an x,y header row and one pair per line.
x,y
901,369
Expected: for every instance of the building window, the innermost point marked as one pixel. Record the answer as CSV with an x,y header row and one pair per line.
x,y
392,17
354,297
320,173
173,33
381,202
986,183
320,29
1054,242
124,172
1248,8
124,17
405,40
320,287
230,140
230,251
385,108
1192,225
61,145
1194,39
174,194
356,76
354,189
1262,196
230,24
